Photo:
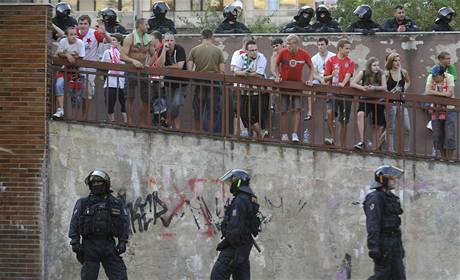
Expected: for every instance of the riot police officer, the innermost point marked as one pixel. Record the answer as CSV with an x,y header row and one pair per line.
x,y
158,21
364,24
324,22
62,19
230,24
382,209
444,17
301,22
109,17
239,226
99,218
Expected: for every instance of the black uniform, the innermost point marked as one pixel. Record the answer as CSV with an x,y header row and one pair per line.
x,y
364,26
115,28
237,227
441,25
98,220
231,27
383,223
63,23
328,26
295,27
164,25
391,25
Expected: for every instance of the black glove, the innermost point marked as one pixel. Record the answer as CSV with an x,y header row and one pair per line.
x,y
121,247
222,245
76,246
375,254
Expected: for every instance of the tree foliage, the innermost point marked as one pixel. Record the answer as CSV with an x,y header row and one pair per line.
x,y
422,11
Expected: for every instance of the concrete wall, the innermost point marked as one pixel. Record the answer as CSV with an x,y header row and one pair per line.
x,y
314,227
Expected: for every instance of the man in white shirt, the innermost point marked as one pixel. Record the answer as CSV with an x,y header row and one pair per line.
x,y
70,48
319,63
92,39
251,64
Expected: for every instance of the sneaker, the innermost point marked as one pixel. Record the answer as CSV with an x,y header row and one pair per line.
x,y
295,138
284,138
59,113
359,146
244,133
329,141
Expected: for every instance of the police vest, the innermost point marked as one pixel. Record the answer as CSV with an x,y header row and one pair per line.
x,y
253,221
102,218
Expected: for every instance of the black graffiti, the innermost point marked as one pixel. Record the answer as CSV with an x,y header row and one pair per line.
x,y
138,211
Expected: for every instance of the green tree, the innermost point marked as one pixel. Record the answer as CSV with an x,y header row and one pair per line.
x,y
422,11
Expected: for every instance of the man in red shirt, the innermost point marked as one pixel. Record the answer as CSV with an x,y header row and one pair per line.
x,y
338,72
289,66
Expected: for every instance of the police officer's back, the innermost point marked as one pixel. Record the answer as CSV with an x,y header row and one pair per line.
x,y
400,22
324,22
63,19
444,17
301,21
158,21
109,17
230,24
239,226
364,24
97,220
382,209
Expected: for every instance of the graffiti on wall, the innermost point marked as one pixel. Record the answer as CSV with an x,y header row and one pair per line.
x,y
155,210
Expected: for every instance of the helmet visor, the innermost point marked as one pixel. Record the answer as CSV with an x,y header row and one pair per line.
x,y
227,177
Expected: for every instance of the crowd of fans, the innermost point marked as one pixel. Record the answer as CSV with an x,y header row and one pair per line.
x,y
152,44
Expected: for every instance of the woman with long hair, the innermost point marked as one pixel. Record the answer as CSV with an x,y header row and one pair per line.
x,y
369,80
398,82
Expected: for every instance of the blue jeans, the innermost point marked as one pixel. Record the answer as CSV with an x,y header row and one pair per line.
x,y
392,128
202,106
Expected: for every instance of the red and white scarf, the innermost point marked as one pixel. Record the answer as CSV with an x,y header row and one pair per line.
x,y
438,113
115,56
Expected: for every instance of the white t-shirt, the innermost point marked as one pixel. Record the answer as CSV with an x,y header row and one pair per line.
x,y
111,81
75,48
319,63
235,56
243,62
91,46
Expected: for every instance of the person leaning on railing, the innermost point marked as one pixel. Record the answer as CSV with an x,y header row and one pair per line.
x,y
70,48
443,118
398,82
369,80
251,64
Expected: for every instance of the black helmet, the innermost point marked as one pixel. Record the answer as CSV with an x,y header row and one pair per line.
x,y
304,10
323,9
238,180
445,14
363,12
108,15
160,8
63,9
97,175
230,13
383,173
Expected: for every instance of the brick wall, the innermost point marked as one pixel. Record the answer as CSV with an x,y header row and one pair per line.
x,y
24,82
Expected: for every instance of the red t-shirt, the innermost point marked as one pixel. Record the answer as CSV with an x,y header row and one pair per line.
x,y
292,64
346,66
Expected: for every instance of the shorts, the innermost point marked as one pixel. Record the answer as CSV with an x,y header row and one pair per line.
x,y
444,132
342,108
76,91
376,116
329,102
294,101
144,87
87,85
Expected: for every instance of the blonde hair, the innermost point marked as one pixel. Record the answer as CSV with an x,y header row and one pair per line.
x,y
293,37
390,59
